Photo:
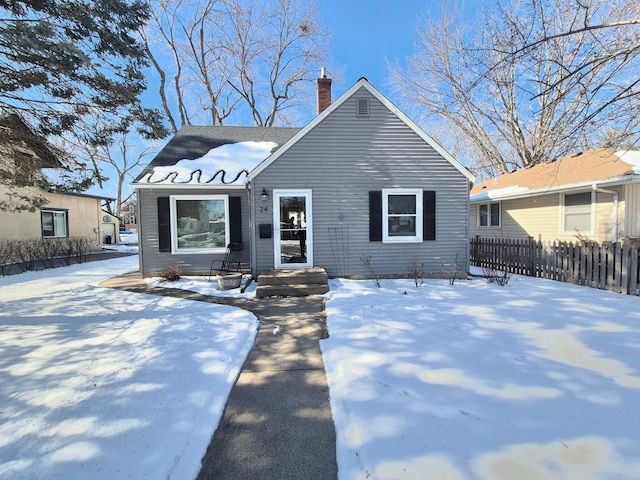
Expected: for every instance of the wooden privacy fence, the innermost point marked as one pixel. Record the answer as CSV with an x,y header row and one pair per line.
x,y
610,266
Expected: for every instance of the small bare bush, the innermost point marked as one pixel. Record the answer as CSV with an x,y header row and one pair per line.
x,y
500,277
369,263
172,273
416,270
454,271
499,272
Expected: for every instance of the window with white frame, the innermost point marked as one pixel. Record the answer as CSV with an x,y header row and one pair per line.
x,y
199,224
54,224
401,215
489,215
577,212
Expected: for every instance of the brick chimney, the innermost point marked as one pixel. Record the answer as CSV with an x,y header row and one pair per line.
x,y
323,91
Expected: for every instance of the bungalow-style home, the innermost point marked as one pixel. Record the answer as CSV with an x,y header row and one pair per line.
x,y
359,191
63,215
594,195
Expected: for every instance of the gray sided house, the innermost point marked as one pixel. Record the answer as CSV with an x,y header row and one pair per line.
x,y
359,182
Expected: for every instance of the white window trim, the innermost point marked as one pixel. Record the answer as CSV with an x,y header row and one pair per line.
x,y
385,215
592,214
174,224
489,226
66,222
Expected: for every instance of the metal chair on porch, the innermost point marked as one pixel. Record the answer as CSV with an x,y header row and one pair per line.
x,y
231,261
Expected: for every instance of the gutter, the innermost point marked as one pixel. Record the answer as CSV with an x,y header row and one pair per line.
x,y
497,195
595,188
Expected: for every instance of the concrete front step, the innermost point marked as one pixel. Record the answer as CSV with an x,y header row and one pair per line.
x,y
292,283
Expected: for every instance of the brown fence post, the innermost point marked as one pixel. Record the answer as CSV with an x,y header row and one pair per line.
x,y
602,262
633,272
617,268
624,269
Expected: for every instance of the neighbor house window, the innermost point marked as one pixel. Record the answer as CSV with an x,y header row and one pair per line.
x,y
199,224
489,215
577,212
54,224
401,215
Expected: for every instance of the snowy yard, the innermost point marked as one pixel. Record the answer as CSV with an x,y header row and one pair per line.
x,y
535,380
97,383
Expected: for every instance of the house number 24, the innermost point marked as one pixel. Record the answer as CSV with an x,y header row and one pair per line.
x,y
264,209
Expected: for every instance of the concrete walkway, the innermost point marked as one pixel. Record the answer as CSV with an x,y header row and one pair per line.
x,y
277,422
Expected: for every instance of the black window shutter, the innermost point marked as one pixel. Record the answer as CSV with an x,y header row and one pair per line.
x,y
235,219
164,225
428,215
375,216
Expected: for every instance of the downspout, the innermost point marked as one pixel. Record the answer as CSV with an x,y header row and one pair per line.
x,y
595,188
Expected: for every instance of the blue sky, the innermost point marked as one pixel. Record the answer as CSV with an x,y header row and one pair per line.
x,y
365,34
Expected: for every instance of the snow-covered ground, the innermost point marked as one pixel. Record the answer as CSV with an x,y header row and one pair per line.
x,y
534,380
97,383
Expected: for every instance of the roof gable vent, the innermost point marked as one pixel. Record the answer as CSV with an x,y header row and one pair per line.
x,y
362,107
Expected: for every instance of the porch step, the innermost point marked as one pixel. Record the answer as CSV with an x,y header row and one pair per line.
x,y
292,283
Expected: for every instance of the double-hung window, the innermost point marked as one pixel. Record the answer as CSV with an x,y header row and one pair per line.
x,y
489,215
199,224
401,215
577,213
54,224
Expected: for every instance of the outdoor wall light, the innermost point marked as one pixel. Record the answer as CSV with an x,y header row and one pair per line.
x,y
264,195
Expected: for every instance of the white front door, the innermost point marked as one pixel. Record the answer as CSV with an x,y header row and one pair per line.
x,y
293,245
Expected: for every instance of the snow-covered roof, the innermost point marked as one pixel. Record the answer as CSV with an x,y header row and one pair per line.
x,y
630,157
227,164
197,154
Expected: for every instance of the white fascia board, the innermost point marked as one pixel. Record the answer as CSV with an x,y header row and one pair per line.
x,y
509,195
363,82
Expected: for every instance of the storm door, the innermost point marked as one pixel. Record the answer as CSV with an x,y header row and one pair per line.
x,y
293,246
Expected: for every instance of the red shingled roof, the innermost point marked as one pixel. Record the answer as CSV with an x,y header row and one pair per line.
x,y
593,166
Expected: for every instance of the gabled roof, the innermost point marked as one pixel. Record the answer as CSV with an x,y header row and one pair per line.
x,y
601,166
186,150
363,83
234,154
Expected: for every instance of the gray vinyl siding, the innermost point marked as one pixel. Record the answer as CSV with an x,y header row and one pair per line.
x,y
343,158
152,261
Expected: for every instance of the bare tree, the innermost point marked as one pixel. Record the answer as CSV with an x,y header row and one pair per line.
x,y
528,81
117,158
123,158
234,58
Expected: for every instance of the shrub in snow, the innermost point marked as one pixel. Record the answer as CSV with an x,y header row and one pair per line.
x,y
454,271
497,276
171,273
416,270
30,255
369,263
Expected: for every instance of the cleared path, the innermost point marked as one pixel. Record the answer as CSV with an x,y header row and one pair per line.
x,y
277,423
